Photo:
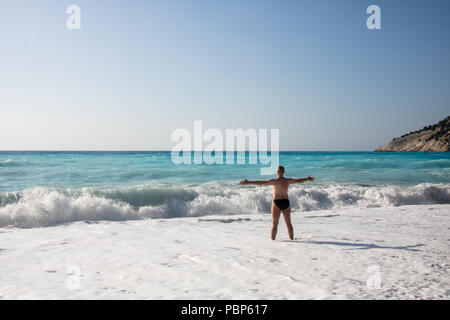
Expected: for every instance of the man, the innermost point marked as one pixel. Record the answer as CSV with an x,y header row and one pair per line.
x,y
280,199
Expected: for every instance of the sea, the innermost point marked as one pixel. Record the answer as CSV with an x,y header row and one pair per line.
x,y
45,188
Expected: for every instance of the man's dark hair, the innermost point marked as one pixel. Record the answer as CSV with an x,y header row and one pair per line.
x,y
281,168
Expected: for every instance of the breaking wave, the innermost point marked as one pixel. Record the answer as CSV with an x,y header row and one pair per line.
x,y
41,207
13,163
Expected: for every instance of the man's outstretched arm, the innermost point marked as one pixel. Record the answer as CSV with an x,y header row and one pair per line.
x,y
301,180
258,183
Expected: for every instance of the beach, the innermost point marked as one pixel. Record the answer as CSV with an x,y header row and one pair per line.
x,y
358,253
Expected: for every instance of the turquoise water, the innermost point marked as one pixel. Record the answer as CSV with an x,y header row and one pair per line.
x,y
46,188
21,170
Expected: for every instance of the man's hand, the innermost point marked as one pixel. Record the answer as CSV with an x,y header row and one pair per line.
x,y
244,182
310,178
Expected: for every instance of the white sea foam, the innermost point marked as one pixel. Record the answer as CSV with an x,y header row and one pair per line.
x,y
370,254
39,206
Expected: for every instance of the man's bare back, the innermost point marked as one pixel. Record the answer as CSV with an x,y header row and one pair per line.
x,y
280,199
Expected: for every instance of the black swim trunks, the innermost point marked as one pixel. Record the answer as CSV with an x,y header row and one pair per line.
x,y
282,204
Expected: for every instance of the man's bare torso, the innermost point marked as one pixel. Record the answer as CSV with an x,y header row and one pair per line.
x,y
280,185
280,188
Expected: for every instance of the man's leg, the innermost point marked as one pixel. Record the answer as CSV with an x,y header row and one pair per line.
x,y
275,218
287,219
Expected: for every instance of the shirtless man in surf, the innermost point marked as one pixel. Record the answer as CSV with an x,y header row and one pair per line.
x,y
280,199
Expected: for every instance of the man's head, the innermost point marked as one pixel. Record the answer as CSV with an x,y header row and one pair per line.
x,y
280,171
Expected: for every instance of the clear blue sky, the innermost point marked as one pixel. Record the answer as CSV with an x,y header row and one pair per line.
x,y
137,70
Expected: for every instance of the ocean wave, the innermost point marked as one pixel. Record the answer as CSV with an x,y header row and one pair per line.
x,y
41,207
13,163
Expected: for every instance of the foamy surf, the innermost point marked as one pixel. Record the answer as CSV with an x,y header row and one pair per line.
x,y
374,253
41,207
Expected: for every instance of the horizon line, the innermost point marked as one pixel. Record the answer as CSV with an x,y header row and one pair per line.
x,y
111,150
